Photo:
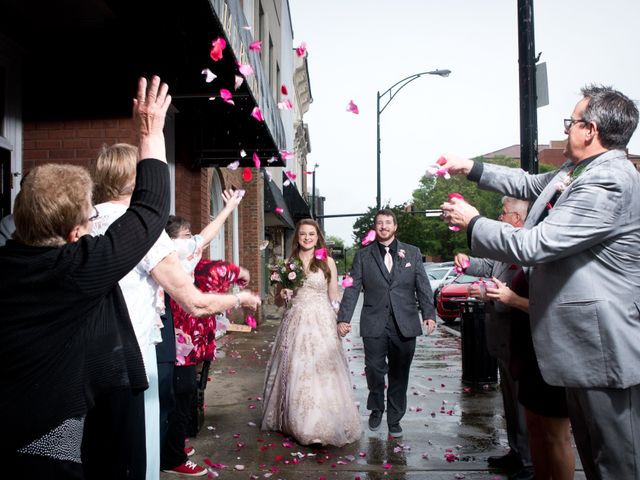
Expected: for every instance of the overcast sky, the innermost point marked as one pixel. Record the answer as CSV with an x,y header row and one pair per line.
x,y
358,47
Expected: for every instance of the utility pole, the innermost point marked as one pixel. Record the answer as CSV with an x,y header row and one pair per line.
x,y
528,103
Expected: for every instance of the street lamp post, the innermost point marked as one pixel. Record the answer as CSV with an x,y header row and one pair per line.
x,y
390,91
313,192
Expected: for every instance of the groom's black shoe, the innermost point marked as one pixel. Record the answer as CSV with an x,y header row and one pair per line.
x,y
395,430
375,419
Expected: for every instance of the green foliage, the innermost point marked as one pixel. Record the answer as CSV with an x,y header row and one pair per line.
x,y
430,234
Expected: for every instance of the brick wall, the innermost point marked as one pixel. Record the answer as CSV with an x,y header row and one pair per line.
x,y
76,142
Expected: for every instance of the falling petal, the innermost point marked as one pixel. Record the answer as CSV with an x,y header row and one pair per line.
x,y
256,160
246,27
301,50
226,96
240,193
217,46
368,238
243,153
279,210
234,165
387,466
239,81
246,174
283,90
286,183
263,245
251,321
352,107
347,281
441,161
291,175
245,69
255,46
209,76
455,195
257,114
272,159
285,105
287,155
320,254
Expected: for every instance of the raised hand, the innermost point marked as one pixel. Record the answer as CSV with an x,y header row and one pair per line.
x,y
458,213
149,112
455,164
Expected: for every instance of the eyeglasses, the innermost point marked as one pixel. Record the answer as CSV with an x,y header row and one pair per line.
x,y
504,214
568,122
95,215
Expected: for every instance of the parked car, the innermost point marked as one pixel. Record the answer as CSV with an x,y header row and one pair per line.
x,y
439,273
449,295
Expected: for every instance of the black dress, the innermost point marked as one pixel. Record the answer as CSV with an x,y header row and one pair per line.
x,y
534,393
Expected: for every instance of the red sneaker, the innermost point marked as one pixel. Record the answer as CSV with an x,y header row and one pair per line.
x,y
189,469
189,450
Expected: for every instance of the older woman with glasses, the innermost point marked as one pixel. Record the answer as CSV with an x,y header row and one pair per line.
x,y
59,294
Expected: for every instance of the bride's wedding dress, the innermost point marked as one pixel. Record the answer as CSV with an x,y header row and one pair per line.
x,y
308,392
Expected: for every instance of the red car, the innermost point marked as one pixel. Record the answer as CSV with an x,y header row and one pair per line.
x,y
449,295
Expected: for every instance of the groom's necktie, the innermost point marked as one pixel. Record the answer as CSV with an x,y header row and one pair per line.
x,y
388,261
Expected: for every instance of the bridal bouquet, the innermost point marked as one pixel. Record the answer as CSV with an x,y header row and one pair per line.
x,y
287,273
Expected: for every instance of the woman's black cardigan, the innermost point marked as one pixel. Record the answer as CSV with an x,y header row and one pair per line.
x,y
65,332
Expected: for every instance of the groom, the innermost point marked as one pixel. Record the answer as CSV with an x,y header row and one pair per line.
x,y
392,276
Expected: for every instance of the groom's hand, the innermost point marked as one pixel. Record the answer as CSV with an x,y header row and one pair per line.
x,y
343,328
429,325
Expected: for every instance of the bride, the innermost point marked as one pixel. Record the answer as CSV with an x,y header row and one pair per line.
x,y
308,392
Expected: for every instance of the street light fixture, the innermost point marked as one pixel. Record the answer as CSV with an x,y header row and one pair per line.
x,y
390,91
313,192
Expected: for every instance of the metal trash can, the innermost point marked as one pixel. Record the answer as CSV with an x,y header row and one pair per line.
x,y
478,367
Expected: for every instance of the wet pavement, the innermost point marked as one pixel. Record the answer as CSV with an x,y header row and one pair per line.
x,y
449,430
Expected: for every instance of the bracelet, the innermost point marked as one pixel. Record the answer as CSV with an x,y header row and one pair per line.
x,y
237,305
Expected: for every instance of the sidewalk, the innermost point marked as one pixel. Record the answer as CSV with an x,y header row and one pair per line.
x,y
449,429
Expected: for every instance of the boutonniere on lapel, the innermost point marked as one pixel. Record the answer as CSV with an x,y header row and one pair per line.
x,y
401,253
572,174
407,265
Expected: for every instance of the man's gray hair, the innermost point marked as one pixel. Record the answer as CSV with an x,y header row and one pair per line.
x,y
516,205
615,115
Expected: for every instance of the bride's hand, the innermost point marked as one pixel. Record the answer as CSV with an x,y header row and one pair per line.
x,y
286,294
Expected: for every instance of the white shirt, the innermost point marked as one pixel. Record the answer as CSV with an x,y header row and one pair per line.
x,y
143,295
189,252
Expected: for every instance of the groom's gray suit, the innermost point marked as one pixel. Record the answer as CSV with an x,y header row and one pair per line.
x,y
585,295
389,321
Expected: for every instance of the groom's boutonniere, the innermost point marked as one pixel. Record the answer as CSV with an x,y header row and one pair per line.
x,y
401,253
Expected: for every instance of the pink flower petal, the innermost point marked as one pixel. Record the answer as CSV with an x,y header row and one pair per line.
x,y
301,50
243,153
455,195
352,107
256,160
287,155
245,69
217,46
209,76
226,96
246,174
251,321
387,466
255,46
279,210
234,165
257,114
291,175
238,82
283,90
441,161
368,238
320,254
285,105
347,281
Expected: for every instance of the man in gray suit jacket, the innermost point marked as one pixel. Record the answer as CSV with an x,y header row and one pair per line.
x,y
392,275
583,242
498,333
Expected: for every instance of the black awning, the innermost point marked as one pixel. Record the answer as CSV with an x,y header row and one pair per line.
x,y
273,199
298,207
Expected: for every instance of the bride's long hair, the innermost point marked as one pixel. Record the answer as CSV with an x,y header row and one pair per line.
x,y
315,264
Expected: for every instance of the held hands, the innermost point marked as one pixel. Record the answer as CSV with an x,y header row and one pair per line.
x,y
429,325
343,328
286,294
458,213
